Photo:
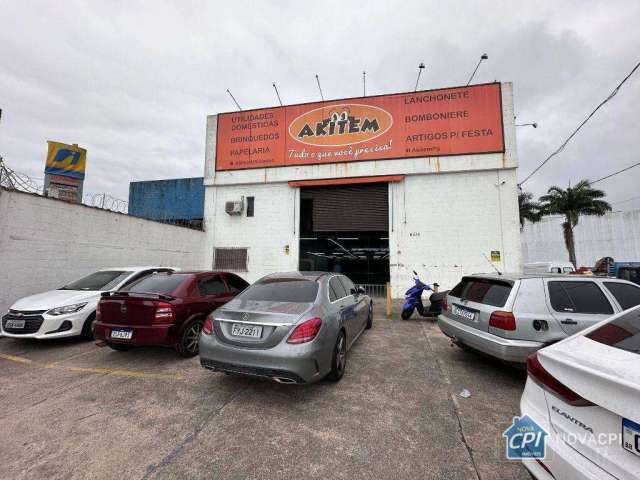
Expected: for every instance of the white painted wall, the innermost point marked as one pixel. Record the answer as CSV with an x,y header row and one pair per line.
x,y
616,235
443,224
266,234
45,243
459,207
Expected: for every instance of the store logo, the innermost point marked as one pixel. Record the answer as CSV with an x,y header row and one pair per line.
x,y
64,154
525,439
339,125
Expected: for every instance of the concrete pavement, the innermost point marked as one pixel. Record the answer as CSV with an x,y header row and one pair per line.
x,y
73,410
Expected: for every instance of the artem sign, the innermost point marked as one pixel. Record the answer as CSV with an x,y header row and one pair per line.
x,y
454,121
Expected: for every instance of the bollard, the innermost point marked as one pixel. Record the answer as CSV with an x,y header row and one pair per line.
x,y
389,302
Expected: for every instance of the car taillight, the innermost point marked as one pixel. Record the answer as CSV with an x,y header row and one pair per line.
x,y
207,327
306,331
538,374
164,312
502,320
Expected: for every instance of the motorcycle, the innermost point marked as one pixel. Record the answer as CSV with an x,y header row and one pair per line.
x,y
413,300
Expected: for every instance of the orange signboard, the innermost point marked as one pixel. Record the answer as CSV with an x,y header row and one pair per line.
x,y
451,121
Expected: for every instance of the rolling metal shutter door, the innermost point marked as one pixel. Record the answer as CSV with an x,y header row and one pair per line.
x,y
350,208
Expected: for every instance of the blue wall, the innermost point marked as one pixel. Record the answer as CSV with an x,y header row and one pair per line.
x,y
167,200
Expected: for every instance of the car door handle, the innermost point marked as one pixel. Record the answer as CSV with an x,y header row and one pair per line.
x,y
568,321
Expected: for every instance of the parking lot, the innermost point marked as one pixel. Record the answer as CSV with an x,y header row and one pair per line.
x,y
73,410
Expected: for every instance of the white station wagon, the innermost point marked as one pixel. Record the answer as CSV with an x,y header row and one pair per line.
x,y
512,316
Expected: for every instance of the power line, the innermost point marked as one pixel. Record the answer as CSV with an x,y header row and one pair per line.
x,y
615,173
564,144
627,200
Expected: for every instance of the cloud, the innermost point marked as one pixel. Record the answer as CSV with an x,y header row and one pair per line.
x,y
133,83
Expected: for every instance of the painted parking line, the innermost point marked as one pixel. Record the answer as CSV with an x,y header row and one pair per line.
x,y
124,373
77,355
15,358
108,371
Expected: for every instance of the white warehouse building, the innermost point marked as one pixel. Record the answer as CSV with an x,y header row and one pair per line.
x,y
373,187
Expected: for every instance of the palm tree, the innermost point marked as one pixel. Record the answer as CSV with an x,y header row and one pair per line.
x,y
573,202
529,209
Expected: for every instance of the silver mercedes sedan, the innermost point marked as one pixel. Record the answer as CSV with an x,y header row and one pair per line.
x,y
293,327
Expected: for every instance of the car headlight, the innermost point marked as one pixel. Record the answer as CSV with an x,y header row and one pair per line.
x,y
76,307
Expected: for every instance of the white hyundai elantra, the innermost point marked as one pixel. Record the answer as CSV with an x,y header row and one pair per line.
x,y
70,310
585,393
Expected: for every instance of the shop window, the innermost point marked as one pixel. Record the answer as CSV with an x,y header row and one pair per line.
x,y
230,259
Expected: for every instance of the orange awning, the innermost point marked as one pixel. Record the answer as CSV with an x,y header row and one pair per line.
x,y
345,181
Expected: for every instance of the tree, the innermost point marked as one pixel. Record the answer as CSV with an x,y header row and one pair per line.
x,y
529,209
572,203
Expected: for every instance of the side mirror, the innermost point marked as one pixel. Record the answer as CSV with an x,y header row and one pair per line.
x,y
361,291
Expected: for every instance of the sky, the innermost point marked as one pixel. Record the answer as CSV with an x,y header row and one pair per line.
x,y
133,82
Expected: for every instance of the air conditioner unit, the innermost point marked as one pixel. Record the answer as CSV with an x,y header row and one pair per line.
x,y
234,208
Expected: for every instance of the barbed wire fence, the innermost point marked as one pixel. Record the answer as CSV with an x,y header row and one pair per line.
x,y
106,202
157,208
11,179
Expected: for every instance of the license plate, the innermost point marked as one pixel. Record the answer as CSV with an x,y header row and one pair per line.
x,y
463,312
122,334
631,436
15,324
240,330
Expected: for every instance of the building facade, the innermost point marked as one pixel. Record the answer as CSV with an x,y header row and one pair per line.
x,y
413,187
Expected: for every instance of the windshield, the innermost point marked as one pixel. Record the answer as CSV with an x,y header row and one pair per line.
x,y
292,290
622,333
104,280
158,283
481,290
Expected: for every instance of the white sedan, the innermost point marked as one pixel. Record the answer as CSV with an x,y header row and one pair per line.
x,y
584,392
68,311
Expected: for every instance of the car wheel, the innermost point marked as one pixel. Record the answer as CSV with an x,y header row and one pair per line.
x,y
339,361
188,346
120,347
370,317
406,314
88,327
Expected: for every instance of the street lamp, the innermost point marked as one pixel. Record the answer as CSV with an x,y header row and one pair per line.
x,y
420,68
534,125
484,56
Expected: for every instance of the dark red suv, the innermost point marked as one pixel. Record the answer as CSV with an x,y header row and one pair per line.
x,y
166,309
